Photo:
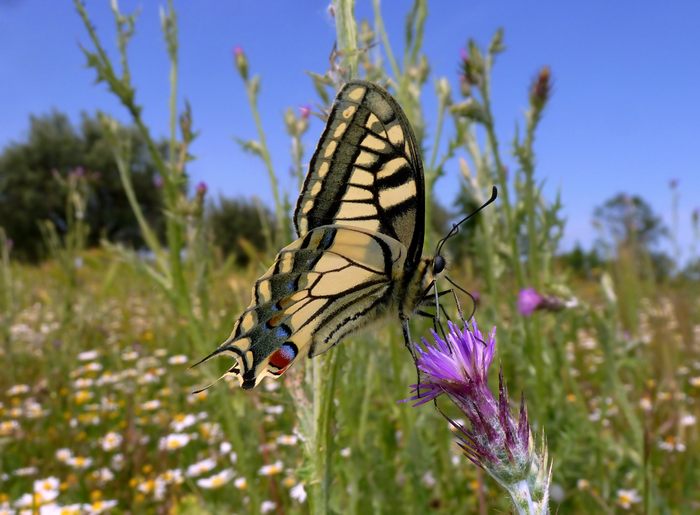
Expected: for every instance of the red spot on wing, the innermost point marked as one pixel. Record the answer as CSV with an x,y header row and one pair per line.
x,y
283,357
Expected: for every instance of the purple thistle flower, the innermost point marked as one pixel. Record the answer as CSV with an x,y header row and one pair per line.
x,y
459,368
201,189
461,361
495,440
528,301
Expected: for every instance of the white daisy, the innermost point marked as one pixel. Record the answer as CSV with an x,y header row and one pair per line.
x,y
201,467
174,441
217,480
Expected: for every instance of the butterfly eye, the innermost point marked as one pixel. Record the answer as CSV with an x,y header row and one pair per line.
x,y
438,264
282,357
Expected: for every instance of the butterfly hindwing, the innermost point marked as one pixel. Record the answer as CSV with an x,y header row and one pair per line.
x,y
366,171
321,286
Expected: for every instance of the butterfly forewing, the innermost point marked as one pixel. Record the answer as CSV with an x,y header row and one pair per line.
x,y
366,171
320,287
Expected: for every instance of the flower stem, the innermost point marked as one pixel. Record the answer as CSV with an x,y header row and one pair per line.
x,y
280,212
346,33
324,370
522,499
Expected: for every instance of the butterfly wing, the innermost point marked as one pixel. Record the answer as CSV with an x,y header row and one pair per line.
x,y
320,287
366,171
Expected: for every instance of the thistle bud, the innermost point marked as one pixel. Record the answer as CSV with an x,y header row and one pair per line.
x,y
471,109
464,87
196,208
366,35
304,115
472,64
444,91
305,112
541,88
290,122
241,62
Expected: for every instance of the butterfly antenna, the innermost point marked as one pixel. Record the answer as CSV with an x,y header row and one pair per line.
x,y
455,227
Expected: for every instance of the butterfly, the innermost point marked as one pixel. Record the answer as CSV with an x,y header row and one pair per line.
x,y
360,225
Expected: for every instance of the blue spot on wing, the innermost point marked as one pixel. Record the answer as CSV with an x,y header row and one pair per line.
x,y
282,332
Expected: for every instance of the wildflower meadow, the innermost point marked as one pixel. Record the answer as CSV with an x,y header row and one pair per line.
x,y
553,382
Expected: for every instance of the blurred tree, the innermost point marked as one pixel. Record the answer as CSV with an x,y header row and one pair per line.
x,y
662,265
691,271
29,191
630,221
240,227
581,262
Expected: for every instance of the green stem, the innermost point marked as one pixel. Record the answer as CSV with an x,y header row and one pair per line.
x,y
527,164
173,116
325,370
280,212
125,178
346,33
379,27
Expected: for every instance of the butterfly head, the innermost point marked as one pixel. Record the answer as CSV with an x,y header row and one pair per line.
x,y
439,265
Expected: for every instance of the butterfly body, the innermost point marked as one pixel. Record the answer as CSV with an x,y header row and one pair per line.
x,y
360,222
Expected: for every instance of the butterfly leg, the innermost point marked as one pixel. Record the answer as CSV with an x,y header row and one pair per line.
x,y
407,341
406,330
429,300
437,325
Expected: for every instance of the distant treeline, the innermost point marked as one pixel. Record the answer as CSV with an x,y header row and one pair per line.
x,y
35,172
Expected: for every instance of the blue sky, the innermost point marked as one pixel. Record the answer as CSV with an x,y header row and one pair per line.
x,y
624,116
